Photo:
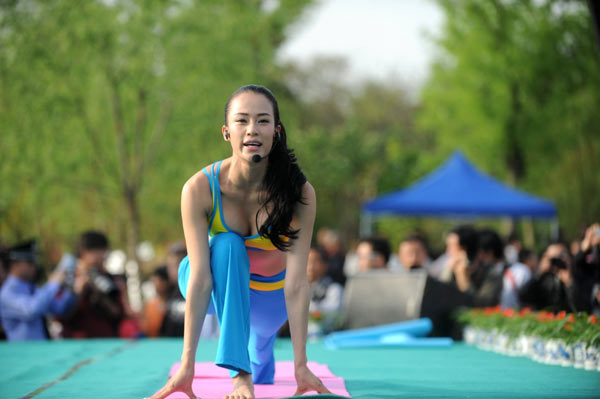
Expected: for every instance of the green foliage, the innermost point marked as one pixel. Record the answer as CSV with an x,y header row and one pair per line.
x,y
516,87
106,108
570,328
352,143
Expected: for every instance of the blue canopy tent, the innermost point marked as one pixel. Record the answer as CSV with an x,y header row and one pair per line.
x,y
458,190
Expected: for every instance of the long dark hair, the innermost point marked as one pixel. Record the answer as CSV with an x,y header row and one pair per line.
x,y
283,181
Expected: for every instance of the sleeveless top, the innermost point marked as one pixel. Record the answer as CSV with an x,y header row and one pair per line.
x,y
216,223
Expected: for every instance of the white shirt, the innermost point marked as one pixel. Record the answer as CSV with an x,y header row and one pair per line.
x,y
514,279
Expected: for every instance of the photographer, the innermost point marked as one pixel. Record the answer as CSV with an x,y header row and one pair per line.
x,y
98,310
24,305
552,289
586,272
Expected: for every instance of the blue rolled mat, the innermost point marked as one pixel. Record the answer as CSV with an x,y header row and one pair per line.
x,y
387,340
415,328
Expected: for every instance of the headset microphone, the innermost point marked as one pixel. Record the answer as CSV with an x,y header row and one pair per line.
x,y
257,158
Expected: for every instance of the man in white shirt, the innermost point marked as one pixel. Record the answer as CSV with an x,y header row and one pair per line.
x,y
515,277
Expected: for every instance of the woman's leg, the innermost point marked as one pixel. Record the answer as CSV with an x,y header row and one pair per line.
x,y
231,299
267,315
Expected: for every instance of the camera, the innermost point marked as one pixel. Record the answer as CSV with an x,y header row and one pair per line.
x,y
102,283
558,263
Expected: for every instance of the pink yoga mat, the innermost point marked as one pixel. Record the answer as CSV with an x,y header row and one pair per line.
x,y
283,369
212,382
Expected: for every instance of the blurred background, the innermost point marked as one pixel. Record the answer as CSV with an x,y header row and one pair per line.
x,y
108,107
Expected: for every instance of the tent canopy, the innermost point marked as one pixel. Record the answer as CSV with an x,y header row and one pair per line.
x,y
458,190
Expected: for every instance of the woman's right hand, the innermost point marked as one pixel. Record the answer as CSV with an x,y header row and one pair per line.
x,y
180,382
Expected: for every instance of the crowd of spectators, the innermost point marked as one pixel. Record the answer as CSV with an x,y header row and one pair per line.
x,y
80,299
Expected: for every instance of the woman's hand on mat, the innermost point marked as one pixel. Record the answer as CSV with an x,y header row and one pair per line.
x,y
307,381
180,382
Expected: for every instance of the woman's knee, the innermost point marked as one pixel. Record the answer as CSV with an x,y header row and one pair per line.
x,y
226,240
227,250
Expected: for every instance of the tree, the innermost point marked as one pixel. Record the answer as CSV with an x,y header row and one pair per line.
x,y
108,106
353,142
516,85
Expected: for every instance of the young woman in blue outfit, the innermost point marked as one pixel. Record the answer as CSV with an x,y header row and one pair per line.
x,y
248,223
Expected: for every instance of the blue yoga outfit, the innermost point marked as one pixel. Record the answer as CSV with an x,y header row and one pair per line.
x,y
250,308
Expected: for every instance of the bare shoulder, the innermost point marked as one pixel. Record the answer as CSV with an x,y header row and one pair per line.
x,y
308,205
196,191
304,219
308,193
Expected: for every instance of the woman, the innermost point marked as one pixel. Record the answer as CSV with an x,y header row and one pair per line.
x,y
258,211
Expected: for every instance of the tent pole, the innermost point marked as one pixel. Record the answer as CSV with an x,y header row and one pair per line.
x,y
366,224
528,232
554,230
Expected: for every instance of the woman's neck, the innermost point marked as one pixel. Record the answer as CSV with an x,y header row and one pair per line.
x,y
246,175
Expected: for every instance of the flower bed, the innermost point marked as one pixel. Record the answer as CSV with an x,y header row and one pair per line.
x,y
570,340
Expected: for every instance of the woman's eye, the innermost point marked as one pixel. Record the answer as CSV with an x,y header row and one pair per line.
x,y
240,120
263,121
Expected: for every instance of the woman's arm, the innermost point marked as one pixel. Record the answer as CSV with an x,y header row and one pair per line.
x,y
297,291
199,287
195,204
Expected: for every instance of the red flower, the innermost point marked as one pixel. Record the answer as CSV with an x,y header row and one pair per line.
x,y
545,316
592,319
568,327
525,311
561,315
508,312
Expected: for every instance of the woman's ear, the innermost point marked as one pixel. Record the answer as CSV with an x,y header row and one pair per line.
x,y
277,135
225,132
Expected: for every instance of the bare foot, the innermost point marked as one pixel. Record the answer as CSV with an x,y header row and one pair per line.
x,y
243,388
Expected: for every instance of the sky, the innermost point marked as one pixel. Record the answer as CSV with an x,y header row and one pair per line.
x,y
381,39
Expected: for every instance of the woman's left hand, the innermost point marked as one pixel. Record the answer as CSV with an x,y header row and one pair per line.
x,y
307,381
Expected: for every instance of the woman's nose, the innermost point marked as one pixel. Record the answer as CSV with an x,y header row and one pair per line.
x,y
251,128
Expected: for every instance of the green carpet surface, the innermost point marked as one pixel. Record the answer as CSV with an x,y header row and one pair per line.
x,y
112,369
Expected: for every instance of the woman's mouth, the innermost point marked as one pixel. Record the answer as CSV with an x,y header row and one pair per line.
x,y
252,145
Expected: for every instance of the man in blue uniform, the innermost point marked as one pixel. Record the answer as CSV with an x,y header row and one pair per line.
x,y
23,305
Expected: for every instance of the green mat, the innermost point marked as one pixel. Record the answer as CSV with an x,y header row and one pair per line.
x,y
111,369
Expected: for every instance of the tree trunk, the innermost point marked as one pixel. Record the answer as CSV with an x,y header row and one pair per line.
x,y
132,269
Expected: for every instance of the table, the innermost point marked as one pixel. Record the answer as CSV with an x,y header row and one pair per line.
x,y
113,368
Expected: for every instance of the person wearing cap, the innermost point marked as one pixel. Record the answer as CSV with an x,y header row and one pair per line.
x,y
23,305
99,308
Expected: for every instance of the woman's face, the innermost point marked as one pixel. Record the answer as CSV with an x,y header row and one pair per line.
x,y
250,125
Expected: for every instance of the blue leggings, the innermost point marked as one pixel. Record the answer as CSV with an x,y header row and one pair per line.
x,y
249,319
